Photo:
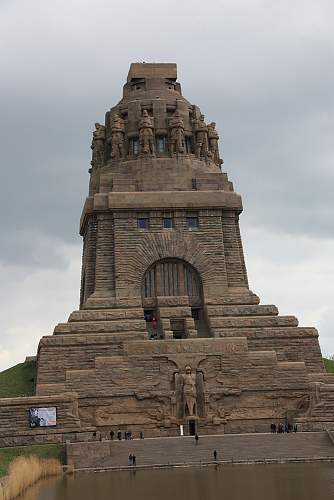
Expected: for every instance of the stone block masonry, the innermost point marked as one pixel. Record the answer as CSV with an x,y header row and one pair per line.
x,y
168,335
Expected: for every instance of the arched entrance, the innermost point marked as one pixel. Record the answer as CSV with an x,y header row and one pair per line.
x,y
173,278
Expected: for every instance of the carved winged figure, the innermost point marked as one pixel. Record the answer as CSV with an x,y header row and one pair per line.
x,y
189,392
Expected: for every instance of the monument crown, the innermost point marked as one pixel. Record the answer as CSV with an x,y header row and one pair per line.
x,y
152,70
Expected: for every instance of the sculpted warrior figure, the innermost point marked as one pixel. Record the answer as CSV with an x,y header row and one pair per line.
x,y
176,126
201,135
117,137
99,137
213,142
146,136
189,392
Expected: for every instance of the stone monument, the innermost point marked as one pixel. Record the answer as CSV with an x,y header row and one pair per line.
x,y
168,332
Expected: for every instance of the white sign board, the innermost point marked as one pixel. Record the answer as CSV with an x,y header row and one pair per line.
x,y
43,417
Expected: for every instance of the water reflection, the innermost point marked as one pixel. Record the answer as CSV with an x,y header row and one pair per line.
x,y
258,482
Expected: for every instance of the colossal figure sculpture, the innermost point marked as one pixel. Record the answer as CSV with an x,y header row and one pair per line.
x,y
213,138
189,392
117,137
176,126
99,137
201,137
146,137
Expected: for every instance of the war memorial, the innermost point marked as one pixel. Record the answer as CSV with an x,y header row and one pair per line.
x,y
168,338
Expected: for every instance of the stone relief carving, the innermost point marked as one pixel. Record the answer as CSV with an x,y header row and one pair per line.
x,y
176,125
73,410
98,144
117,137
146,136
189,392
216,409
213,138
87,415
205,138
201,137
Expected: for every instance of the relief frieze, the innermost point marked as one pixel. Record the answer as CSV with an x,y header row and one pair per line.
x,y
187,346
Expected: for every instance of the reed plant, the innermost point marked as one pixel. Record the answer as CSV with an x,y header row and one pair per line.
x,y
26,471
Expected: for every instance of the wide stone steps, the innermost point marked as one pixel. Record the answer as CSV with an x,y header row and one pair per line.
x,y
253,332
106,314
252,321
242,310
306,445
116,326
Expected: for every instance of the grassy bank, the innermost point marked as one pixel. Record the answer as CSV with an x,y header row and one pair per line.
x,y
18,380
45,451
329,365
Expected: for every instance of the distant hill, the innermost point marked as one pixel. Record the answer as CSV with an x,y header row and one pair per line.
x,y
18,380
329,365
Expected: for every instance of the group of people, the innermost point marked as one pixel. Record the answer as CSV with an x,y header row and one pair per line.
x,y
281,429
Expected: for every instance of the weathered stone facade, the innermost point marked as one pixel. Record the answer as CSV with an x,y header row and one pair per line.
x,y
168,333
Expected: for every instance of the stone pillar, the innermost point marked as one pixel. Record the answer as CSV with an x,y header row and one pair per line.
x,y
235,266
241,252
105,263
104,293
89,257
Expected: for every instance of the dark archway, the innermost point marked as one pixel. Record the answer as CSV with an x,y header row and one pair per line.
x,y
170,278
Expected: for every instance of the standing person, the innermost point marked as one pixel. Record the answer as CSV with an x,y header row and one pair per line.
x,y
196,438
130,459
295,428
155,327
133,459
215,455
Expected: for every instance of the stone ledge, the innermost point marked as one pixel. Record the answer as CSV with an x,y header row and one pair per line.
x,y
171,199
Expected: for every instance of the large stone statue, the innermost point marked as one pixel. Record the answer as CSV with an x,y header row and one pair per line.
x,y
98,142
189,392
117,137
146,136
213,138
201,137
176,126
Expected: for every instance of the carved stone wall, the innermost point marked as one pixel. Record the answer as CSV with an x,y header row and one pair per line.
x,y
222,364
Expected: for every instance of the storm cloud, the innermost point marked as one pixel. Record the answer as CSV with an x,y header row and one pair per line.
x,y
262,70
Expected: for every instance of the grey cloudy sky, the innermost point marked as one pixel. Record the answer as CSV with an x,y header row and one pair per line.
x,y
263,70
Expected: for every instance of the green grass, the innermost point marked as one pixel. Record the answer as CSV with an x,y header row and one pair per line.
x,y
41,451
18,380
329,365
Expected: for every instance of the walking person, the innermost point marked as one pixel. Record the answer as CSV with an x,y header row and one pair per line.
x,y
215,455
196,438
130,459
133,459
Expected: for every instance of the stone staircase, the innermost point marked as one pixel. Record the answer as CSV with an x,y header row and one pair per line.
x,y
183,450
105,321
